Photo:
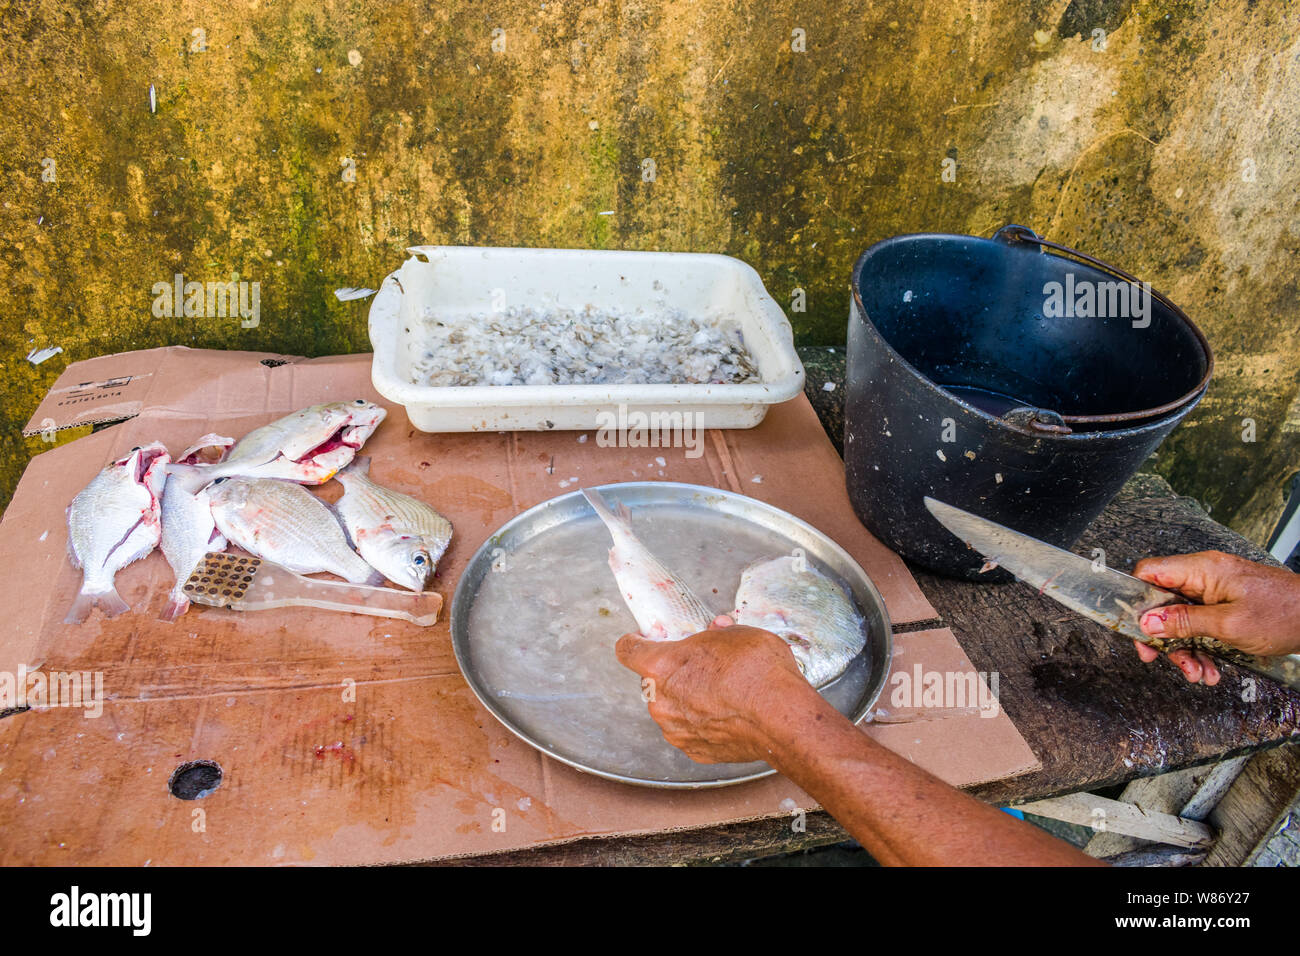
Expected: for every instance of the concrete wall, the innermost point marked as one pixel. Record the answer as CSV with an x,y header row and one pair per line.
x,y
1165,144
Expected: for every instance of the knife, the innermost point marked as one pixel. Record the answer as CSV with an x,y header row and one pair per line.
x,y
1111,598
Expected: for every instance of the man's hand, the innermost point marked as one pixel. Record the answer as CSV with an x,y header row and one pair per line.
x,y
1253,607
713,694
734,694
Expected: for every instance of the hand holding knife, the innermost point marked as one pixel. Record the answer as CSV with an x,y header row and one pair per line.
x,y
1109,597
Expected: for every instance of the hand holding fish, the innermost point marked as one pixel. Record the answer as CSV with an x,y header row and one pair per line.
x,y
1253,607
734,694
713,693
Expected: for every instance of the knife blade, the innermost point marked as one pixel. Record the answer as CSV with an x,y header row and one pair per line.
x,y
1111,598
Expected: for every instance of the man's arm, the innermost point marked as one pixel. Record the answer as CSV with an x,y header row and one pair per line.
x,y
736,694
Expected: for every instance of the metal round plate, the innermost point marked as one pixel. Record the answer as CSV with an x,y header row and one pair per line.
x,y
537,612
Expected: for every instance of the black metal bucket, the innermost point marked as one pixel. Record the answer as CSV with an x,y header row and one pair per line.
x,y
975,380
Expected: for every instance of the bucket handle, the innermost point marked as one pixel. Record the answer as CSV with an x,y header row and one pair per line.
x,y
1014,233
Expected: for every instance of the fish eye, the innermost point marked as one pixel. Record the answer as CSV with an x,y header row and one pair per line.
x,y
359,401
136,448
419,559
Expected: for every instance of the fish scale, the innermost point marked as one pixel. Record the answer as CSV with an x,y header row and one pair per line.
x,y
283,522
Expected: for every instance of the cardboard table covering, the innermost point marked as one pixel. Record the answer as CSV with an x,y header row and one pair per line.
x,y
350,739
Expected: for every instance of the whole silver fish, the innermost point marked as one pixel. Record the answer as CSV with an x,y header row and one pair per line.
x,y
188,529
309,446
284,522
113,521
665,607
398,535
807,610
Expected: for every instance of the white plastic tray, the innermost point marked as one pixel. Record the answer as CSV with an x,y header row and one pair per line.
x,y
465,280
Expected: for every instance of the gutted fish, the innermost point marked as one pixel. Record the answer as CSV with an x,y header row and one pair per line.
x,y
284,522
309,446
398,535
188,533
665,608
807,610
113,521
188,529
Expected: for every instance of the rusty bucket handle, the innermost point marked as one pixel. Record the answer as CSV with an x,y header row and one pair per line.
x,y
1014,233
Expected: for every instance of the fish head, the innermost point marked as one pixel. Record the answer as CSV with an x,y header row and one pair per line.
x,y
405,560
145,465
228,490
364,418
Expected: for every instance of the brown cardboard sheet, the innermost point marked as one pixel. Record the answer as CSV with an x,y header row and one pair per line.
x,y
348,739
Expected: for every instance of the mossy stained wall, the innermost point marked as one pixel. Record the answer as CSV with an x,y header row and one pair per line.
x,y
305,144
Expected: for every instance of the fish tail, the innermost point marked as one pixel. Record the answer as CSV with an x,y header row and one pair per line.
x,y
175,608
620,521
192,478
110,602
360,465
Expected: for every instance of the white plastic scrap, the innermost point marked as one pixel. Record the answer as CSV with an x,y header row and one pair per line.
x,y
348,293
37,356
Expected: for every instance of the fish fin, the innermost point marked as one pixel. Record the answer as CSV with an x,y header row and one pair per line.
x,y
174,609
360,465
338,516
80,609
370,576
211,440
110,602
72,554
597,502
191,478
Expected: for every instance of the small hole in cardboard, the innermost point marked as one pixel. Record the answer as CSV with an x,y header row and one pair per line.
x,y
195,780
274,363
